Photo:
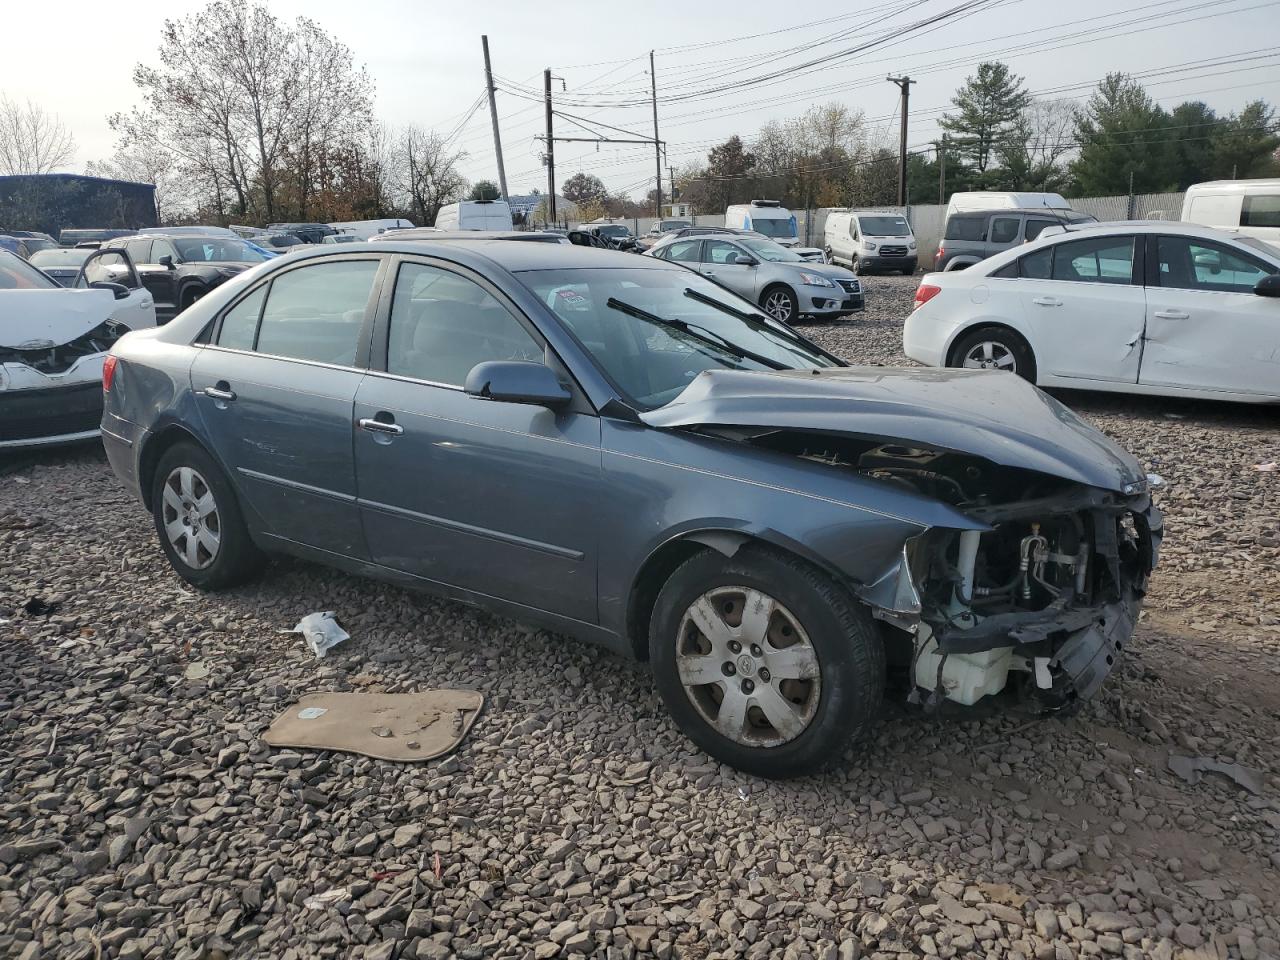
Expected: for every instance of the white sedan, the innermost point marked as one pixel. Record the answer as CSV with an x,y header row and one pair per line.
x,y
1140,307
53,341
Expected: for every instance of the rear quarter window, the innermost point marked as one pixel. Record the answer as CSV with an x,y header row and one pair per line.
x,y
966,228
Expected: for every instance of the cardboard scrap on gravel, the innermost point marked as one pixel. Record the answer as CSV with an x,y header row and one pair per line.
x,y
388,726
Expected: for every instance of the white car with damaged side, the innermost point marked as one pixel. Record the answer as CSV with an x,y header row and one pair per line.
x,y
53,341
1151,307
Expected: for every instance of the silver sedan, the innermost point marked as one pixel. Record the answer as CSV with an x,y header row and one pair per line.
x,y
780,281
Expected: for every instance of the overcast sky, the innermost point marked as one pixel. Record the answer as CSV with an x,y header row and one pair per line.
x,y
425,59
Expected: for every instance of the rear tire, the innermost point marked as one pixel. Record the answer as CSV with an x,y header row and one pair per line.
x,y
806,677
994,348
198,520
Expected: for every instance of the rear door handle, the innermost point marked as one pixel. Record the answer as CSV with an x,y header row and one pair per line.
x,y
220,391
1173,315
386,425
1047,301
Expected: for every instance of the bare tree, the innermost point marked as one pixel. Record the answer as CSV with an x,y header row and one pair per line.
x,y
250,105
32,140
173,195
427,173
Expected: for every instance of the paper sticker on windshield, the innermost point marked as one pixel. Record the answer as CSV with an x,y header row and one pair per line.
x,y
571,296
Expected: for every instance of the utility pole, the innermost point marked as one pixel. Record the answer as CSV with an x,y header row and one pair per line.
x,y
657,144
671,172
942,170
904,85
493,115
551,151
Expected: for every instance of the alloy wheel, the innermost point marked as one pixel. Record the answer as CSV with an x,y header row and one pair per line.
x,y
191,520
748,666
990,355
778,306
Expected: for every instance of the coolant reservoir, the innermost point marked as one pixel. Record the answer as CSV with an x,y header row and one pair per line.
x,y
966,677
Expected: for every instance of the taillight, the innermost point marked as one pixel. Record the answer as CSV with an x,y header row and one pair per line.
x,y
926,292
108,372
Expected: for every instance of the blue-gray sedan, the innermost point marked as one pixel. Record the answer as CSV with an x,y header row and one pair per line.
x,y
618,449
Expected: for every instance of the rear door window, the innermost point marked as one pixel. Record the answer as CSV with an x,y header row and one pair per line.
x,y
1094,260
684,251
1004,229
1036,266
240,323
316,312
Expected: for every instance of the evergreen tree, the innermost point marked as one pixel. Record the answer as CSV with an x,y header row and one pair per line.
x,y
1124,139
1246,144
1194,128
987,107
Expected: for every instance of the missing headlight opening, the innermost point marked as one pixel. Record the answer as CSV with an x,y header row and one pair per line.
x,y
1040,605
61,357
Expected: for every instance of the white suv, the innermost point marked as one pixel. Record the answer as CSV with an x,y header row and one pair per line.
x,y
1139,307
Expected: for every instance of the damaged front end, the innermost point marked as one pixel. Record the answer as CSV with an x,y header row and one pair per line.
x,y
1042,602
1041,592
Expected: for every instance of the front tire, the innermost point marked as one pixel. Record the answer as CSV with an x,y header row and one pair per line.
x,y
781,304
995,348
764,662
198,520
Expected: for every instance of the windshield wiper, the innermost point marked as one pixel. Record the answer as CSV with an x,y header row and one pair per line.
x,y
697,333
756,319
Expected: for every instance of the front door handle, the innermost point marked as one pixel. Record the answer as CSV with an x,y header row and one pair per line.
x,y
384,423
1047,301
1173,314
220,391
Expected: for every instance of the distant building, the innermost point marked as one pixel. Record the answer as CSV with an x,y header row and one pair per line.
x,y
678,210
53,201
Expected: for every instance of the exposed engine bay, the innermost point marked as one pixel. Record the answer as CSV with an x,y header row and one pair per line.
x,y
1041,603
51,358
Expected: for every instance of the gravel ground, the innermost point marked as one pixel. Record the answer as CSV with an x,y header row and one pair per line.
x,y
141,816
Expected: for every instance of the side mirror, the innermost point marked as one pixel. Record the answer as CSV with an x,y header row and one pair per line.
x,y
167,262
517,381
120,291
1268,286
746,262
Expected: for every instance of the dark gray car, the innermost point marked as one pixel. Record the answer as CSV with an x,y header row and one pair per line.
x,y
618,449
971,236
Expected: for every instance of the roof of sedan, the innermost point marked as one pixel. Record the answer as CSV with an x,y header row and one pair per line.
x,y
510,255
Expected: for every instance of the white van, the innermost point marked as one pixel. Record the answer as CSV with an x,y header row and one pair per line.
x,y
768,217
974,200
1250,206
870,240
475,215
364,229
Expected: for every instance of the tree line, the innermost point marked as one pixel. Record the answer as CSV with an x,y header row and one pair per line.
x,y
995,136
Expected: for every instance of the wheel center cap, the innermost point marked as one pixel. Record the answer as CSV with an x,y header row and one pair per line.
x,y
746,665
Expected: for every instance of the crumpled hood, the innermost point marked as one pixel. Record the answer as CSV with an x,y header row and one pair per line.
x,y
51,316
988,414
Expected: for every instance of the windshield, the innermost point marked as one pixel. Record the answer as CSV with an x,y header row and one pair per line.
x,y
773,228
17,274
884,227
60,257
613,230
666,225
768,250
649,362
216,249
